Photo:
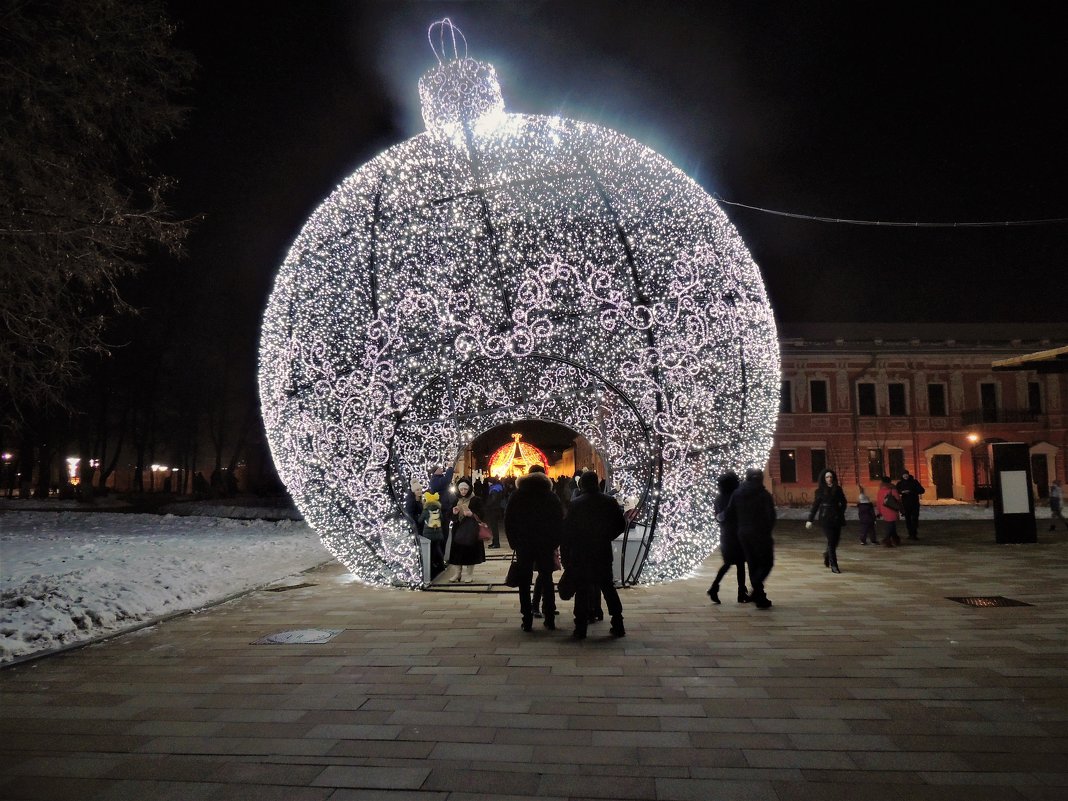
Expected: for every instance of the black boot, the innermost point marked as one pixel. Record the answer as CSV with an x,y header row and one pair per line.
x,y
743,596
713,591
617,629
528,622
826,559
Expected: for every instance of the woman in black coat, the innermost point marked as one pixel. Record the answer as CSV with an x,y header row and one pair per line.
x,y
830,507
729,545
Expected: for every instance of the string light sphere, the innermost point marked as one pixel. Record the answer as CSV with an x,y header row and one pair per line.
x,y
502,267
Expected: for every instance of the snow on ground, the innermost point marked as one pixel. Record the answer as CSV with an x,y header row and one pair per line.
x,y
67,577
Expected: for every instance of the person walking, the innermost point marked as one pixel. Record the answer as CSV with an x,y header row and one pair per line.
x,y
752,509
493,511
1056,504
730,547
830,507
593,521
467,549
866,516
910,491
888,506
533,522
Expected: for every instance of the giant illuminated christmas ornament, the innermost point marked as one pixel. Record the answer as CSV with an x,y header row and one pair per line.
x,y
501,267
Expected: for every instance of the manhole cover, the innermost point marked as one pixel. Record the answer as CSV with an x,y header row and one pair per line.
x,y
289,587
299,637
988,600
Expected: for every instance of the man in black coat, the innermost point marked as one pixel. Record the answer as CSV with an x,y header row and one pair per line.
x,y
593,521
752,508
533,521
910,491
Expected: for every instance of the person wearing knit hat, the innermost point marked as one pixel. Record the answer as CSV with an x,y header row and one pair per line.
x,y
467,549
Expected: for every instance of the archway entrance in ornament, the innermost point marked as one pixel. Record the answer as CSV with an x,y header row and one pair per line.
x,y
488,400
502,455
509,449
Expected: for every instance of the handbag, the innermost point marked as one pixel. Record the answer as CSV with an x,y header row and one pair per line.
x,y
891,502
511,578
484,532
565,587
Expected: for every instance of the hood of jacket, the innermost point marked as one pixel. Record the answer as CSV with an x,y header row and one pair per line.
x,y
750,487
535,482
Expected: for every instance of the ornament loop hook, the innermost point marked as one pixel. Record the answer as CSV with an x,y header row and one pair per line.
x,y
448,35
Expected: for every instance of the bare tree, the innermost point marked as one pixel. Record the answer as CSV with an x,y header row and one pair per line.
x,y
88,89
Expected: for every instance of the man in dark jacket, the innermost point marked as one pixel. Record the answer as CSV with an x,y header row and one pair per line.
x,y
533,521
440,483
910,490
592,522
752,509
493,511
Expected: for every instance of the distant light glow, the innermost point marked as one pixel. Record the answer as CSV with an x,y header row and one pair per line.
x,y
532,268
515,458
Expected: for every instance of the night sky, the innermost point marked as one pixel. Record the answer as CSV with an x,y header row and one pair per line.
x,y
902,112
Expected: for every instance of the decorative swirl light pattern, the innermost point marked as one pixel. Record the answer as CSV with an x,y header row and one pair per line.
x,y
502,267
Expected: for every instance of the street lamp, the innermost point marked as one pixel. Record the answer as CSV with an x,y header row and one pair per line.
x,y
5,473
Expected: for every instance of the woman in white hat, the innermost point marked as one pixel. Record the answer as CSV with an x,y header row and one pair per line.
x,y
467,549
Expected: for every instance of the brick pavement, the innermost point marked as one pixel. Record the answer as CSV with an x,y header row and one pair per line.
x,y
868,685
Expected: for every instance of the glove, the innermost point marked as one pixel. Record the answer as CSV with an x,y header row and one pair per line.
x,y
808,524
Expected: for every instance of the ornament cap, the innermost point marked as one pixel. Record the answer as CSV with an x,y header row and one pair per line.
x,y
460,90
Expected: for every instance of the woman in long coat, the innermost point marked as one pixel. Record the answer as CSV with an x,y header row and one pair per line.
x,y
730,547
467,549
830,506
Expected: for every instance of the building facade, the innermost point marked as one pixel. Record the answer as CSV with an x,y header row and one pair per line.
x,y
880,399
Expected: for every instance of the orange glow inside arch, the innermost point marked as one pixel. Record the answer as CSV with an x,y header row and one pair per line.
x,y
515,458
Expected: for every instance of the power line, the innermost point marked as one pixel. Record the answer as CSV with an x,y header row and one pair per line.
x,y
894,224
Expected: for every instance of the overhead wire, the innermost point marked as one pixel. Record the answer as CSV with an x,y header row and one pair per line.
x,y
893,223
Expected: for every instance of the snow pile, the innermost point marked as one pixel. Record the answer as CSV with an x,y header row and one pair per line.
x,y
68,577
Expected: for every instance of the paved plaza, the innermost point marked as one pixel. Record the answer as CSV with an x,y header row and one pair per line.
x,y
868,685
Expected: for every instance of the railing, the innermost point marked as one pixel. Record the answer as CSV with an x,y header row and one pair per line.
x,y
973,417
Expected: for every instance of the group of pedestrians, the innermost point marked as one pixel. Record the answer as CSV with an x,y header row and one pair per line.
x,y
546,529
892,503
538,523
746,513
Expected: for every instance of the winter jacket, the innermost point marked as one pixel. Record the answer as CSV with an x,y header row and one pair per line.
x,y
440,484
888,514
910,491
753,509
829,507
866,512
593,521
534,517
729,545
